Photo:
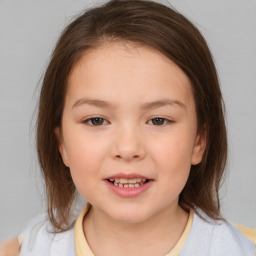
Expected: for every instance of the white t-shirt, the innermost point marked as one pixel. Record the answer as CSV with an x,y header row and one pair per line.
x,y
200,238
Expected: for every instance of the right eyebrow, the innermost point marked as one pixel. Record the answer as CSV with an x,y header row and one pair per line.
x,y
93,102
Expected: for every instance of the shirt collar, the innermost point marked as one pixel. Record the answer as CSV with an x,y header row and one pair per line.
x,y
83,249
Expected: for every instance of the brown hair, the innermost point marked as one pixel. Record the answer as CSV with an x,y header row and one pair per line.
x,y
156,26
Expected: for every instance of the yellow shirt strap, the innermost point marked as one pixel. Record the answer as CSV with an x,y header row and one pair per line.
x,y
81,245
181,242
250,233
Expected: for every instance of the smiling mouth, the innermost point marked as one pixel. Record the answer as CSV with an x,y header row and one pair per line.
x,y
128,183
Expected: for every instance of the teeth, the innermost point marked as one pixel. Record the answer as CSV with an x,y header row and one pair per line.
x,y
128,183
133,181
123,181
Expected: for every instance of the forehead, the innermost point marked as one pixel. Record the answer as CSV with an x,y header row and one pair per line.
x,y
117,70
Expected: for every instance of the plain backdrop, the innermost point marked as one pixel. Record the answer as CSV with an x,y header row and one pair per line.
x,y
28,32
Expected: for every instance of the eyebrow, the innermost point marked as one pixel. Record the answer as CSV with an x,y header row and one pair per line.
x,y
144,106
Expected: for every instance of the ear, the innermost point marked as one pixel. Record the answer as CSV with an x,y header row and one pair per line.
x,y
199,147
61,146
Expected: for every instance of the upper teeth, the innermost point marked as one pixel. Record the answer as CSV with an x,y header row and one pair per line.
x,y
128,181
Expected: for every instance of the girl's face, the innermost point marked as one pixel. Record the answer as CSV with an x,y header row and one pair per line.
x,y
129,113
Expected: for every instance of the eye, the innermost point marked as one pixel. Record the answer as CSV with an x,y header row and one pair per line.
x,y
159,121
95,121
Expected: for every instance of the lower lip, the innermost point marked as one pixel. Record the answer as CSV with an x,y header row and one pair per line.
x,y
129,192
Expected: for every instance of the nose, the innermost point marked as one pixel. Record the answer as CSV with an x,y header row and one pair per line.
x,y
129,145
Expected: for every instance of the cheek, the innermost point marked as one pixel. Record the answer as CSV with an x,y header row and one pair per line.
x,y
81,146
85,154
84,167
173,169
173,152
172,159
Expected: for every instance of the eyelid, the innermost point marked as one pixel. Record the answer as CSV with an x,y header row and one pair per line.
x,y
167,120
86,121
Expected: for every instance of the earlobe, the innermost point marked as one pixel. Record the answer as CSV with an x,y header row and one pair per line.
x,y
61,146
199,148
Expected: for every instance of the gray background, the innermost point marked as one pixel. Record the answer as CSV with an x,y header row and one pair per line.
x,y
28,31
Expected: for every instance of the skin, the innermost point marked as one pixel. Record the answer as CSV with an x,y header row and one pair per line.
x,y
129,140
10,248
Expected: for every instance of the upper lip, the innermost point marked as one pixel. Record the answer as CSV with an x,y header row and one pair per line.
x,y
127,176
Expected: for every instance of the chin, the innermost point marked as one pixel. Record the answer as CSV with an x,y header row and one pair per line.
x,y
135,215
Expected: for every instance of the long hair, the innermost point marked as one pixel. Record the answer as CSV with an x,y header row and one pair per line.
x,y
161,28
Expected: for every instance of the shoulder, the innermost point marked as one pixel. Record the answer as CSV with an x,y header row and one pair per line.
x,y
210,237
39,239
228,238
10,248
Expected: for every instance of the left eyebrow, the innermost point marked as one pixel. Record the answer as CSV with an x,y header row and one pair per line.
x,y
162,103
144,106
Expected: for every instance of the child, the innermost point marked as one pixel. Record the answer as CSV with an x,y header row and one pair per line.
x,y
131,117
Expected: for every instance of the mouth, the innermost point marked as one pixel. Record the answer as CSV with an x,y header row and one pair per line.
x,y
128,183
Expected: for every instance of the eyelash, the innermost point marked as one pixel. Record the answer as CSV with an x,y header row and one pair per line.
x,y
167,121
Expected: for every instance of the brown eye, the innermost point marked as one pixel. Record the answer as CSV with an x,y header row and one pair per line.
x,y
95,121
160,121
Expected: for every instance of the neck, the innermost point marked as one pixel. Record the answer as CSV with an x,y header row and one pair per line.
x,y
155,236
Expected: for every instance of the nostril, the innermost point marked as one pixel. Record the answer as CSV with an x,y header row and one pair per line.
x,y
135,156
